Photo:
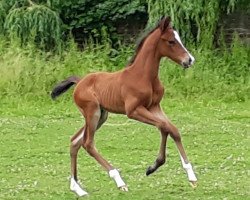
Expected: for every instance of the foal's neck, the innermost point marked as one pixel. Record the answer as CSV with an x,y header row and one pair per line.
x,y
147,61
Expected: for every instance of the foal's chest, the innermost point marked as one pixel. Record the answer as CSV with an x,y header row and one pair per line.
x,y
150,95
157,92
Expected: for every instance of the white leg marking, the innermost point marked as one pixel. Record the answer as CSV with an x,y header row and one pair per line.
x,y
189,169
96,118
177,37
119,182
75,187
79,137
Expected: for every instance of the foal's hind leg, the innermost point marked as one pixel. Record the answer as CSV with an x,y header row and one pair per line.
x,y
76,143
92,114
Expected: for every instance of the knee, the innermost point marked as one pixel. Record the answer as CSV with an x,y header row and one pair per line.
x,y
165,127
74,149
85,145
74,144
131,113
89,148
168,128
76,141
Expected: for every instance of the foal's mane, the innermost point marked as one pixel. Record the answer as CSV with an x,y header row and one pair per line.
x,y
140,43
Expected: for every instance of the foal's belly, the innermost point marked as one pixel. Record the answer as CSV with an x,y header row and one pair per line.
x,y
112,103
108,93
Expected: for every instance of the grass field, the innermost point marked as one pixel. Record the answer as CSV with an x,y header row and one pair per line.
x,y
35,162
209,103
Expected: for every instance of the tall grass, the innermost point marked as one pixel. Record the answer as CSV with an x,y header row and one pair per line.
x,y
27,73
223,75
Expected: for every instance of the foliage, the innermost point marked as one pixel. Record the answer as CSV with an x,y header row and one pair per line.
x,y
194,19
46,21
90,15
221,74
29,72
244,5
32,22
49,21
216,74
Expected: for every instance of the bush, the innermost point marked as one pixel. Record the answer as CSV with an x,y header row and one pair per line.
x,y
31,73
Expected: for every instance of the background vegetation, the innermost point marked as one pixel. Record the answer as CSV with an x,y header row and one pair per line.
x,y
49,21
28,73
36,49
208,102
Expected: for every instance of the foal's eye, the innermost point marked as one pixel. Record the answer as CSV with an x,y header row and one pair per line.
x,y
171,42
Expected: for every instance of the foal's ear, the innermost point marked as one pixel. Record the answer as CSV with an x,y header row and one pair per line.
x,y
164,23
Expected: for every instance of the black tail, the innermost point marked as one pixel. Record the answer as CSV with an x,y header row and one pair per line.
x,y
64,86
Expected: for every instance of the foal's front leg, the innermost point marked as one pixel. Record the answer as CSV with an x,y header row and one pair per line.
x,y
161,158
149,117
154,117
184,160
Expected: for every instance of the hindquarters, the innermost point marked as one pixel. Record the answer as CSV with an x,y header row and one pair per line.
x,y
101,88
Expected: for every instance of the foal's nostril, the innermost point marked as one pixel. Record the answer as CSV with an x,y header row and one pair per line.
x,y
190,60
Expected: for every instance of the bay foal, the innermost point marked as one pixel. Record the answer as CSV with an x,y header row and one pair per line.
x,y
135,91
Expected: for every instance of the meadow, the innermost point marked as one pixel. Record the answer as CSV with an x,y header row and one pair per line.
x,y
209,103
35,160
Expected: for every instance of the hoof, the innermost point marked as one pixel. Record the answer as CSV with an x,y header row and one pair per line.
x,y
79,192
150,170
193,184
124,188
75,187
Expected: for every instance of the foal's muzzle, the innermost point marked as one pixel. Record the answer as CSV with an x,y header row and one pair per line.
x,y
188,62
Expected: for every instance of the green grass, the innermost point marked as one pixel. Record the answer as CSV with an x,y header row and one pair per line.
x,y
28,73
35,162
209,103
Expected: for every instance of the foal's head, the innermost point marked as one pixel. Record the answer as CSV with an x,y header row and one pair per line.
x,y
170,44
